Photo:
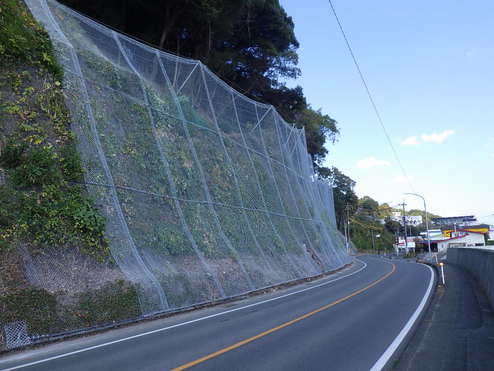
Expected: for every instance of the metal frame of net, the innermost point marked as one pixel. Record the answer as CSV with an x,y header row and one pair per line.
x,y
207,194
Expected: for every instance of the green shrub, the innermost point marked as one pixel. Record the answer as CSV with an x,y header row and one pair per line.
x,y
23,40
42,207
40,204
38,166
61,215
114,302
70,163
36,306
11,155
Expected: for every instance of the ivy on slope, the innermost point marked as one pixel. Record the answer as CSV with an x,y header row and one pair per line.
x,y
41,205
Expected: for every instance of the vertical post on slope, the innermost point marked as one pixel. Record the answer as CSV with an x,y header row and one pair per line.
x,y
346,235
373,245
442,272
347,228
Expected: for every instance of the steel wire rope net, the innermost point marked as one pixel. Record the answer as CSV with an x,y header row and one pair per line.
x,y
207,194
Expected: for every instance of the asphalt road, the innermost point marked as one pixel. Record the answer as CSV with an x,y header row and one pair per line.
x,y
353,320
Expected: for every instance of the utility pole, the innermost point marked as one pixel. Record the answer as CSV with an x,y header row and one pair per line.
x,y
405,225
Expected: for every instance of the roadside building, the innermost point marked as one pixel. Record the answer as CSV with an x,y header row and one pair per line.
x,y
458,220
434,234
460,238
478,228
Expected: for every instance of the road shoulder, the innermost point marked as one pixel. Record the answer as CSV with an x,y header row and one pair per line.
x,y
141,328
454,333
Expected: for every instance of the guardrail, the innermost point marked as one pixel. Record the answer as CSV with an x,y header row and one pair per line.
x,y
480,263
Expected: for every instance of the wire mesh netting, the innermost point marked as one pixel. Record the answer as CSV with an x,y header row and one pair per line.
x,y
15,335
207,194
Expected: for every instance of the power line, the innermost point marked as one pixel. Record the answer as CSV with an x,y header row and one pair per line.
x,y
362,78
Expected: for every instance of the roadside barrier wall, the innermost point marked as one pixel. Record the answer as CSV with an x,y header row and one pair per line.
x,y
480,263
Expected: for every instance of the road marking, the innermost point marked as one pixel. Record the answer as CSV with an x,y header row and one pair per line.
x,y
388,353
184,323
283,325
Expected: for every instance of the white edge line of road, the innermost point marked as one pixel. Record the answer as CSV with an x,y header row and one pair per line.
x,y
182,323
388,353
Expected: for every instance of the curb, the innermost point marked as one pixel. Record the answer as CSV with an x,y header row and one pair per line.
x,y
391,362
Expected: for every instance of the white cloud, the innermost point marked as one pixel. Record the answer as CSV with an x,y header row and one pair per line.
x,y
401,179
410,141
437,137
369,162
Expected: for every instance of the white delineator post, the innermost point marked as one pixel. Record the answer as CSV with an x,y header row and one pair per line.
x,y
442,272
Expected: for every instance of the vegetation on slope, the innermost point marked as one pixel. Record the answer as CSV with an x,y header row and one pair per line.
x,y
249,44
41,204
38,154
369,235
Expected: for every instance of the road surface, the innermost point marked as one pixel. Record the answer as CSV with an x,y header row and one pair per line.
x,y
353,320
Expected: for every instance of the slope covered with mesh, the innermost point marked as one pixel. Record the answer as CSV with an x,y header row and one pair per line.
x,y
207,194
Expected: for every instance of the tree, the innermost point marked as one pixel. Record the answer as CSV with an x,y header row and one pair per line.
x,y
319,130
251,44
416,212
385,211
392,226
369,205
344,196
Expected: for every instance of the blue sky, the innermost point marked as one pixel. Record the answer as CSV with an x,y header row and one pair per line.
x,y
430,66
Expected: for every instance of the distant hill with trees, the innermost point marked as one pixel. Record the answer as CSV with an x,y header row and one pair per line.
x,y
366,221
416,212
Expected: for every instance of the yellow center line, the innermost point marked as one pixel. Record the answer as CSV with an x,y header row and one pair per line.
x,y
283,325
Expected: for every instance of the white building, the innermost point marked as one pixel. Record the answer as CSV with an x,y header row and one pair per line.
x,y
460,239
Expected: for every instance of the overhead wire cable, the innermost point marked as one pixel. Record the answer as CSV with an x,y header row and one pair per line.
x,y
369,94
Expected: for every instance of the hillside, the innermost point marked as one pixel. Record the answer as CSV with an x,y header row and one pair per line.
x,y
386,211
139,183
422,213
51,234
365,224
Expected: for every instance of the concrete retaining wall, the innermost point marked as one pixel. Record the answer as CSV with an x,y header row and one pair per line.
x,y
480,263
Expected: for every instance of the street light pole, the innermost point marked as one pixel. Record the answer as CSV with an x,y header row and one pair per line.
x,y
426,218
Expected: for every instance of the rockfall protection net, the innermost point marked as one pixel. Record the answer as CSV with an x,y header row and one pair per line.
x,y
207,194
15,335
